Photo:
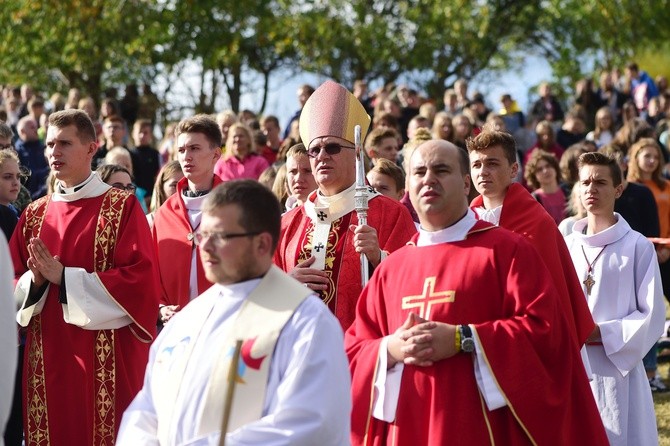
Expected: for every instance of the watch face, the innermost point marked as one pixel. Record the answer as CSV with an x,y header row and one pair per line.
x,y
468,345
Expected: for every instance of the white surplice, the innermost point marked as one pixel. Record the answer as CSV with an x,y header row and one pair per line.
x,y
307,399
627,304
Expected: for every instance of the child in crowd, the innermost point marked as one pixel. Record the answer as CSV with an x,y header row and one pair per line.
x,y
604,131
387,178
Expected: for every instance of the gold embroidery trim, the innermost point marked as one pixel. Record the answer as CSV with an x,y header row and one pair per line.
x,y
107,229
37,432
306,252
106,235
105,386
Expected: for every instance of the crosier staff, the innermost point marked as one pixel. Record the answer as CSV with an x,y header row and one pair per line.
x,y
361,197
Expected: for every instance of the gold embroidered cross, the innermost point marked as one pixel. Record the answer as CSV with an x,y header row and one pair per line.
x,y
428,298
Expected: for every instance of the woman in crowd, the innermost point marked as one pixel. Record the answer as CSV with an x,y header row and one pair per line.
x,y
240,159
164,187
546,140
645,165
544,176
604,130
442,127
117,176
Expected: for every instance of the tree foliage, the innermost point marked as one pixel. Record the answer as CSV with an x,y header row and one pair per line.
x,y
239,45
77,43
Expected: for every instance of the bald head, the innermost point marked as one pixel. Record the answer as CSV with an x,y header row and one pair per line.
x,y
439,183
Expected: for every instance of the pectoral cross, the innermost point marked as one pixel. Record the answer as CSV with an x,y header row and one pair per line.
x,y
318,247
428,298
322,215
589,282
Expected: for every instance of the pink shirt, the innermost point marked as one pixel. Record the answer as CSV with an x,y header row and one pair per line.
x,y
231,168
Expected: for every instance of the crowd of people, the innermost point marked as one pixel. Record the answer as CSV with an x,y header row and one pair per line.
x,y
506,284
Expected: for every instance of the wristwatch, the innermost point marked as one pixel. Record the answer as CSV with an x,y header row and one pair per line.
x,y
467,342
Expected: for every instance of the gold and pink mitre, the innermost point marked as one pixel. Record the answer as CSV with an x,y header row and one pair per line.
x,y
332,110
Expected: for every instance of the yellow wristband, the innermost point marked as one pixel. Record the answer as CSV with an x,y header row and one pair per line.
x,y
457,339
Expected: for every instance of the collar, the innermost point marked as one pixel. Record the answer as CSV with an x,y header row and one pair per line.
x,y
291,202
492,216
193,194
70,190
606,237
194,203
238,291
322,209
454,233
92,186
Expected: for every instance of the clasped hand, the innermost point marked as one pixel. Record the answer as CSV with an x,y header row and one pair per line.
x,y
43,265
421,343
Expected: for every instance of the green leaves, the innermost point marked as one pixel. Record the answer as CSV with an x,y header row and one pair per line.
x,y
91,43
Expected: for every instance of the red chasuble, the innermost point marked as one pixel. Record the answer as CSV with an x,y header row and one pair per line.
x,y
481,281
77,382
174,246
394,229
522,214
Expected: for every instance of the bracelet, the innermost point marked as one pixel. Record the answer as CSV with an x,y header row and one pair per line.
x,y
457,339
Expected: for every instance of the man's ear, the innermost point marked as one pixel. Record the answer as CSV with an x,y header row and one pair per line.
x,y
515,169
618,191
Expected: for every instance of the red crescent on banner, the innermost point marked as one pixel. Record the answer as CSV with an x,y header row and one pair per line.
x,y
245,353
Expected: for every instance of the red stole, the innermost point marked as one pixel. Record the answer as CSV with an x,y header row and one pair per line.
x,y
78,382
522,214
521,331
174,249
394,228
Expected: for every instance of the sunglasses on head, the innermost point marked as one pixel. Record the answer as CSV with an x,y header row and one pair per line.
x,y
332,148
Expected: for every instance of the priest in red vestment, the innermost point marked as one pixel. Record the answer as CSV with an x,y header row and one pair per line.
x,y
86,277
181,273
321,242
505,203
462,348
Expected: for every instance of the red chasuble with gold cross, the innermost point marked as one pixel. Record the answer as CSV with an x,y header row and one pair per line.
x,y
495,281
342,263
77,382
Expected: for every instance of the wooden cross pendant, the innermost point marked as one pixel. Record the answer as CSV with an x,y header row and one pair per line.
x,y
589,282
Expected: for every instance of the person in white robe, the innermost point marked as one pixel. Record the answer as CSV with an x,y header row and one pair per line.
x,y
8,336
622,285
306,395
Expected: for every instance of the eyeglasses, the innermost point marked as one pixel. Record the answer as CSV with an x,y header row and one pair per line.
x,y
130,187
6,146
200,237
332,148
